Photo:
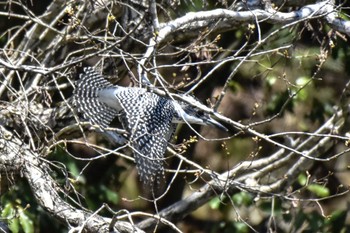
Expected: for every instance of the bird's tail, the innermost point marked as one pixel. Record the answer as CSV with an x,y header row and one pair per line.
x,y
150,170
85,98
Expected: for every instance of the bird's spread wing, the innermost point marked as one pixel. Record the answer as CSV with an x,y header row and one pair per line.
x,y
86,98
148,121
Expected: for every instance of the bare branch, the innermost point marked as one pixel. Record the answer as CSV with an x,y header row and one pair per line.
x,y
15,157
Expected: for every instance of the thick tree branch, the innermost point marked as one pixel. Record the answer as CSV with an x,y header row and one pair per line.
x,y
248,175
17,157
195,21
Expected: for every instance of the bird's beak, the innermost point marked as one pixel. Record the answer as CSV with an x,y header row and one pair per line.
x,y
216,124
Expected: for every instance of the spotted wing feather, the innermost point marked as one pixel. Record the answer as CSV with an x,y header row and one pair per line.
x,y
85,98
148,119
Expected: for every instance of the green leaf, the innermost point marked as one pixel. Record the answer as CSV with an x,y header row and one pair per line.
x,y
8,211
73,168
302,81
337,220
215,203
300,219
14,225
273,206
111,196
242,198
316,222
319,190
241,227
235,86
271,80
26,222
302,179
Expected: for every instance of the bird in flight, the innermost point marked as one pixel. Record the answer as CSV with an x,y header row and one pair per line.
x,y
150,119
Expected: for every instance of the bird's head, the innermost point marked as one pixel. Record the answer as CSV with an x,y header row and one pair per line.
x,y
186,113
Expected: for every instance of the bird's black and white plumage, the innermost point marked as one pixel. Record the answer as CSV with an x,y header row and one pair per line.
x,y
150,119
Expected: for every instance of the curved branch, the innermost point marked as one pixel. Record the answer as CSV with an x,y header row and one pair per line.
x,y
16,156
246,175
194,21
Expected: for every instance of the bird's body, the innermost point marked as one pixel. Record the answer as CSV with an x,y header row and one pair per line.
x,y
150,119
